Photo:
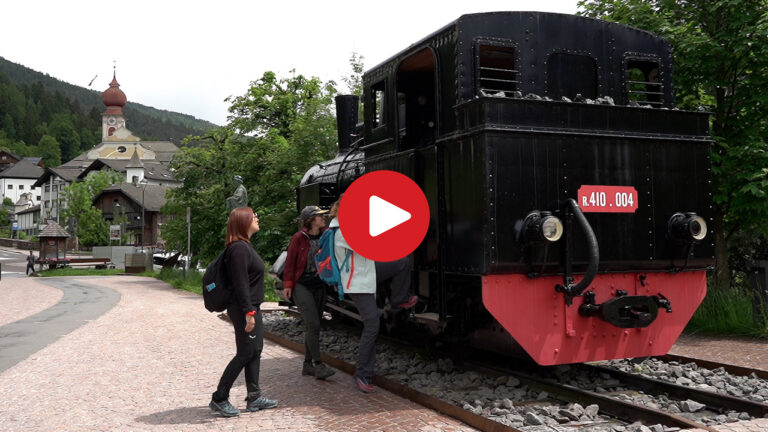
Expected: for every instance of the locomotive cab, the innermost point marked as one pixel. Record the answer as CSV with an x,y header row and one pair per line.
x,y
569,201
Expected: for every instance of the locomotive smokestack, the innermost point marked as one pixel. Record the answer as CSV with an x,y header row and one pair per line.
x,y
346,119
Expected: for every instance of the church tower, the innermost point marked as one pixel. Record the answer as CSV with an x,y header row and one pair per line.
x,y
113,118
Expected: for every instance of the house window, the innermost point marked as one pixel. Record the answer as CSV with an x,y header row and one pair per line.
x,y
377,102
47,188
21,187
571,74
38,197
10,187
496,73
643,82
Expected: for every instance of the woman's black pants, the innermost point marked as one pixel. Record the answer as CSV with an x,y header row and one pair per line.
x,y
248,356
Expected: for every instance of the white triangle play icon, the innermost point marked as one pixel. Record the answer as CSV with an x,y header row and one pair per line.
x,y
383,216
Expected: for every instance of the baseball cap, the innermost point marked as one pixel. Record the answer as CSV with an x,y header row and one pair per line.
x,y
310,211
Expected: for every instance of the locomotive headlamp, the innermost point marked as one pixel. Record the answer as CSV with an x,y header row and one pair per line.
x,y
687,227
542,227
551,227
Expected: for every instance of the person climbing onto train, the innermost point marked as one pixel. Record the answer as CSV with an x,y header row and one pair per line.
x,y
359,280
300,281
245,271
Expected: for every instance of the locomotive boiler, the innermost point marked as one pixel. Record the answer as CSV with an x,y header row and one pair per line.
x,y
569,200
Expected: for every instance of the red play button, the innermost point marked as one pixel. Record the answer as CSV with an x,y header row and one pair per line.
x,y
384,215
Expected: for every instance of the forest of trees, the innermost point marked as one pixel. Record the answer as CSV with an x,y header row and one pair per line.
x,y
42,116
721,65
36,122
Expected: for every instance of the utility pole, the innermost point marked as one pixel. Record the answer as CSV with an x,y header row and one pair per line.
x,y
189,237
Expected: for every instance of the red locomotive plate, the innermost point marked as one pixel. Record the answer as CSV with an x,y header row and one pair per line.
x,y
607,199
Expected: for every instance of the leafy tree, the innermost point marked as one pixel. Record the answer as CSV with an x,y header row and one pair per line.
x,y
276,130
48,149
69,140
92,229
721,63
354,81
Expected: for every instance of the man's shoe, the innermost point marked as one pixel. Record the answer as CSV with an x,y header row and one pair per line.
x,y
261,403
224,408
365,385
308,369
322,371
409,304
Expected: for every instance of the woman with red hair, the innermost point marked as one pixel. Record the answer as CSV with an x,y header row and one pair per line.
x,y
245,270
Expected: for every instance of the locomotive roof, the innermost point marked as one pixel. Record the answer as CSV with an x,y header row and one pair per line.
x,y
463,20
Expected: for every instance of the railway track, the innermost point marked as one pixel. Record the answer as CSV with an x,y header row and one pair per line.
x,y
549,393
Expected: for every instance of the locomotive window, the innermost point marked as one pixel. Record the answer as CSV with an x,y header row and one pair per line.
x,y
571,74
496,71
377,103
643,83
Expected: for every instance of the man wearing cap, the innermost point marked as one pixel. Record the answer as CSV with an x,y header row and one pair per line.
x,y
300,281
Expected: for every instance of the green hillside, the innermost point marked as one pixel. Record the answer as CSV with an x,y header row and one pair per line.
x,y
23,90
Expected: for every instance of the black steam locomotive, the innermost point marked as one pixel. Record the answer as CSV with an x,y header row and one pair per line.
x,y
569,200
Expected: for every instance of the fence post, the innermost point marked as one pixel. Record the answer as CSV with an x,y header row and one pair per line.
x,y
759,278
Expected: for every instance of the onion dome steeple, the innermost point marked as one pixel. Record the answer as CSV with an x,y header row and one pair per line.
x,y
112,118
114,98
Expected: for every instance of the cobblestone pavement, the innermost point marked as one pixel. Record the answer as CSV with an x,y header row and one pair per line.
x,y
21,297
759,425
151,363
737,351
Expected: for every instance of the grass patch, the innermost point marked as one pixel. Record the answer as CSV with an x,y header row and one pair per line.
x,y
80,272
730,312
194,282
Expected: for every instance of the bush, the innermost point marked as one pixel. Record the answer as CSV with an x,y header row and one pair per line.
x,y
194,282
731,312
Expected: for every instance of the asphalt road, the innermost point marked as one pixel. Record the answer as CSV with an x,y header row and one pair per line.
x,y
12,263
80,304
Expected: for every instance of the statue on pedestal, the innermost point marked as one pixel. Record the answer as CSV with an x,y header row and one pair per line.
x,y
239,198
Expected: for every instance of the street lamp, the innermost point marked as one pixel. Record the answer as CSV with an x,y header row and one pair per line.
x,y
143,182
114,217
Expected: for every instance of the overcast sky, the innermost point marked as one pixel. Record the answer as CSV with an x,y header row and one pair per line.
x,y
188,57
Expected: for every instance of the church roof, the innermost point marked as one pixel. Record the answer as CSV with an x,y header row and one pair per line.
x,y
152,170
135,162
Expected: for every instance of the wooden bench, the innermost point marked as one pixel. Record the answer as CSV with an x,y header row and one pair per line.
x,y
98,263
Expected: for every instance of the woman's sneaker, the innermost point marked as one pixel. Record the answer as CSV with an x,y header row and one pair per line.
x,y
364,384
225,408
410,303
308,369
261,403
322,371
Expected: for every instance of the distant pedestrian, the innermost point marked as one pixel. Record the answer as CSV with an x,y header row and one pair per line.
x,y
359,280
245,271
31,263
301,282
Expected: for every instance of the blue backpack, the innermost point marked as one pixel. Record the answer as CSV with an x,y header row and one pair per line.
x,y
328,268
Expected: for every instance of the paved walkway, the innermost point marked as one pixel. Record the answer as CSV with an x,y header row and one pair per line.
x,y
151,363
737,351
